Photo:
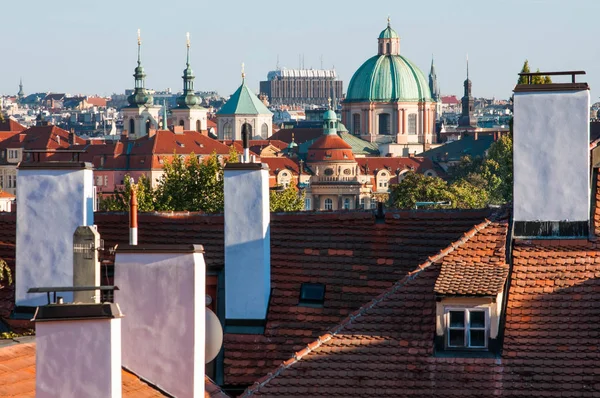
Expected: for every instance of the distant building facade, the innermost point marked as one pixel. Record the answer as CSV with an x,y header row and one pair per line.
x,y
302,86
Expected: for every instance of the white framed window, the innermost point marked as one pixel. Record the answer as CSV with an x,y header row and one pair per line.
x,y
227,131
98,180
467,328
373,203
105,181
328,204
362,203
307,205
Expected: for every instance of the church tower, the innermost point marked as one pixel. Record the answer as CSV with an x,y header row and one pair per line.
x,y
140,115
189,113
21,93
467,118
435,90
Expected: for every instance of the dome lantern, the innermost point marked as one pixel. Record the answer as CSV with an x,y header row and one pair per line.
x,y
388,41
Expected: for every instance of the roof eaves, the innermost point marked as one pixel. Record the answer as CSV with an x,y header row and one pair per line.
x,y
361,311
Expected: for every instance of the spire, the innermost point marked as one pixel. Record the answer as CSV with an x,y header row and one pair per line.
x,y
433,84
21,94
140,96
188,99
467,66
165,125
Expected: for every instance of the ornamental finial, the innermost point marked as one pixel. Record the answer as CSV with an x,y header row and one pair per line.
x,y
389,21
243,73
187,41
329,102
139,38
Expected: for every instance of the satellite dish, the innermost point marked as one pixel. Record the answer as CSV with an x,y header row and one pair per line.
x,y
214,336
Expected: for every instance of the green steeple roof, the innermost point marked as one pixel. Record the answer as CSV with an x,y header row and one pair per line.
x,y
188,99
244,102
140,96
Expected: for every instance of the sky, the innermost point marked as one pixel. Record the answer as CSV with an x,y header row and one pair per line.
x,y
89,47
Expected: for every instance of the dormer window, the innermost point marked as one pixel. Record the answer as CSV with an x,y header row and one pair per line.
x,y
467,328
312,295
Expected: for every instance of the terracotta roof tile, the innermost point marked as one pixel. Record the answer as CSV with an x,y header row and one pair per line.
x,y
17,375
11,125
478,267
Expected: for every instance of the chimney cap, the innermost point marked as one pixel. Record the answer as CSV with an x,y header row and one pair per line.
x,y
70,312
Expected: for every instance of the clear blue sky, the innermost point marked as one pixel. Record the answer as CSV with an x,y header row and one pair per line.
x,y
89,47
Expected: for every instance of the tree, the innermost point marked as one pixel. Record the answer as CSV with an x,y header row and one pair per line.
x,y
416,187
233,156
492,174
120,200
289,199
190,184
534,79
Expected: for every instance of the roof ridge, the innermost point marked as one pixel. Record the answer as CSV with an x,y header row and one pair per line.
x,y
360,312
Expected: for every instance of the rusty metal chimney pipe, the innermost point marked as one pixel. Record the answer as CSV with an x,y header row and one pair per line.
x,y
133,218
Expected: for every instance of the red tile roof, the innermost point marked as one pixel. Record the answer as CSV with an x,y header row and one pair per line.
x,y
17,375
478,267
11,125
4,194
301,135
382,349
281,163
41,137
212,390
331,148
353,255
369,165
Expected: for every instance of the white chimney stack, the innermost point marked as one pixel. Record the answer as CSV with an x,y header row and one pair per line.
x,y
551,159
78,351
162,291
247,244
53,199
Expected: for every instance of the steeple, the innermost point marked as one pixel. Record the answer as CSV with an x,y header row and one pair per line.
x,y
467,118
165,125
189,98
140,96
433,84
21,93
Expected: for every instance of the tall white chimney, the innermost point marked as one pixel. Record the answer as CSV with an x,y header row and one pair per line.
x,y
162,291
78,351
247,245
53,199
551,159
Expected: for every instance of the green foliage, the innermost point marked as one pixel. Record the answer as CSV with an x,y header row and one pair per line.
x,y
288,199
190,184
13,335
120,200
416,187
5,273
233,156
534,79
493,174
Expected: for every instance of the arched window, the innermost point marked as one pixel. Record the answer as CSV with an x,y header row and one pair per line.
x,y
328,204
248,127
131,127
384,123
181,122
284,178
198,125
227,131
383,180
356,123
147,127
387,46
412,123
347,204
264,131
381,48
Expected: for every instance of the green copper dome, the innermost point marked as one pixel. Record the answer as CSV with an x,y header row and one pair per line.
x,y
388,78
388,33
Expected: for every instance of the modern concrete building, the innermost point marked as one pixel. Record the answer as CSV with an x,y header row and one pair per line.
x,y
302,86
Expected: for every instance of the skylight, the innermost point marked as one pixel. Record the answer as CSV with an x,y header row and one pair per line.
x,y
312,294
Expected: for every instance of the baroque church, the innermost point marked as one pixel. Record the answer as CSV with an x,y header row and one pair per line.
x,y
389,100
